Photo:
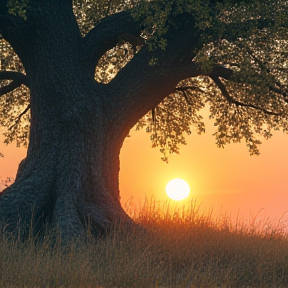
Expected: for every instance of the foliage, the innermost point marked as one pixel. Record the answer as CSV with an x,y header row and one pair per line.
x,y
12,104
18,7
248,37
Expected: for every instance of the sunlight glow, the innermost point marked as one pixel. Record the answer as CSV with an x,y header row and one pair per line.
x,y
177,189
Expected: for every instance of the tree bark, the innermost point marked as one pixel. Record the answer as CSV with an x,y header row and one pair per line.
x,y
69,178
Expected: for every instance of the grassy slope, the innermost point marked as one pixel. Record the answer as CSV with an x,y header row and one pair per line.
x,y
178,249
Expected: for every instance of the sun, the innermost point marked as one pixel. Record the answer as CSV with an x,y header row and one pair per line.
x,y
177,189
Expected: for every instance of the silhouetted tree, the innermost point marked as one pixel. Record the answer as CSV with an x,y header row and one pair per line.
x,y
76,76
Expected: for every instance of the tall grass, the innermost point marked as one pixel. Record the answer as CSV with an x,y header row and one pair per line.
x,y
179,247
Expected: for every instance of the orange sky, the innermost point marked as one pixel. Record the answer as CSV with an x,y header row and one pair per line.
x,y
227,179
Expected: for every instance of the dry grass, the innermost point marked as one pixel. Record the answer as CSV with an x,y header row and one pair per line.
x,y
178,249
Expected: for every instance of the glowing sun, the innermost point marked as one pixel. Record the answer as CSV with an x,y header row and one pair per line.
x,y
177,189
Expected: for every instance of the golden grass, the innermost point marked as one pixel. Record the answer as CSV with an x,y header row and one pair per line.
x,y
178,248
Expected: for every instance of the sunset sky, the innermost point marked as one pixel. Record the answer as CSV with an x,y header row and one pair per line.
x,y
226,180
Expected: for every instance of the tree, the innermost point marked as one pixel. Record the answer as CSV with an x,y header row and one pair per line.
x,y
76,76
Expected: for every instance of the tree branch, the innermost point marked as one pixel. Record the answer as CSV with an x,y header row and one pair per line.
x,y
279,91
184,89
231,31
263,67
226,73
107,33
17,80
139,82
9,88
184,93
229,74
19,117
187,88
221,71
15,76
231,100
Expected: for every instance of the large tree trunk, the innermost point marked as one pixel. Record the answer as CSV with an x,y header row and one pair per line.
x,y
69,178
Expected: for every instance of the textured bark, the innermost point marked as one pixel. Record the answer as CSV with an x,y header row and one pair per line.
x,y
69,178
70,174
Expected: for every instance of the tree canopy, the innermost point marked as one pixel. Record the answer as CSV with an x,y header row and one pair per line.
x,y
248,39
76,76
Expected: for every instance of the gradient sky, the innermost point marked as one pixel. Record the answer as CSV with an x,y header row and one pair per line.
x,y
226,180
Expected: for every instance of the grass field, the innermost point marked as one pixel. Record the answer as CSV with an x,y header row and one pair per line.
x,y
177,248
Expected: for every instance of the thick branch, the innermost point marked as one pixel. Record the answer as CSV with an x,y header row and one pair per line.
x,y
141,82
229,74
18,79
9,88
139,87
15,76
138,82
231,100
108,32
